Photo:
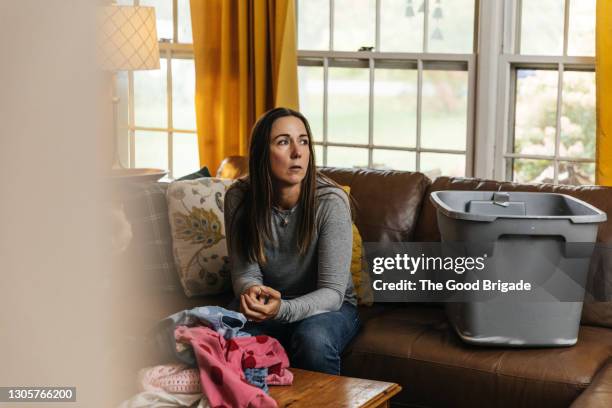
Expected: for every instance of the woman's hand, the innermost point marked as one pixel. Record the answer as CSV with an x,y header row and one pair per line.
x,y
259,303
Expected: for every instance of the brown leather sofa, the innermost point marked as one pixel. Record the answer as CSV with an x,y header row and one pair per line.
x,y
414,345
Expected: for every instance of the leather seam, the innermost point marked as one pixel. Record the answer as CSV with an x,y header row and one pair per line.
x,y
385,228
579,385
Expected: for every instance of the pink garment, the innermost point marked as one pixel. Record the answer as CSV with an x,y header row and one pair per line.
x,y
285,379
172,378
221,363
180,379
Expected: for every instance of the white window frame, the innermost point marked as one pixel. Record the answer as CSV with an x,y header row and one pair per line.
x,y
169,49
421,61
491,84
510,61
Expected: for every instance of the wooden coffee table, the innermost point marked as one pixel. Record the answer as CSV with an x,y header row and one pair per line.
x,y
312,389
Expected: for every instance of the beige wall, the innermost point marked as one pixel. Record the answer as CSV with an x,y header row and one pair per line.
x,y
54,322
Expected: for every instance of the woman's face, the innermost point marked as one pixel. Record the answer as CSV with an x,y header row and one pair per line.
x,y
289,150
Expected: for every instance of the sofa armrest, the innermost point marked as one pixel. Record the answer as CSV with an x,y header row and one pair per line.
x,y
599,393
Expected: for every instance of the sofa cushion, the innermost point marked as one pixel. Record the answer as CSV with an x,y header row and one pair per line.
x,y
599,393
600,273
416,347
150,249
387,202
359,267
195,209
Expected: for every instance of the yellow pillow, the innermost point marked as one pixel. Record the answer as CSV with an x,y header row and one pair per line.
x,y
359,267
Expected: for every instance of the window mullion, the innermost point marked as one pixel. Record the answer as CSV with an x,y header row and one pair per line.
x,y
505,125
518,23
332,7
485,86
377,28
419,112
325,107
471,118
558,126
425,26
371,114
566,17
175,21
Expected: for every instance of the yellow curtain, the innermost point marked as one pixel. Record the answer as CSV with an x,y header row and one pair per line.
x,y
603,56
246,63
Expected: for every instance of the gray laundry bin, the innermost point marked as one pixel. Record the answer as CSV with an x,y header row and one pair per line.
x,y
535,236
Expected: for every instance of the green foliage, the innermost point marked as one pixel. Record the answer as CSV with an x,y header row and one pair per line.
x,y
536,122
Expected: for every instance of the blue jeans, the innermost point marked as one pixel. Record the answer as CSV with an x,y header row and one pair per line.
x,y
316,342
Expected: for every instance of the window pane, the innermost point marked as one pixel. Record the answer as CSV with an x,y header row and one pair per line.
x,y
578,115
542,27
185,157
536,112
576,173
183,94
347,157
184,22
439,164
581,39
354,24
451,26
313,24
311,98
401,26
395,96
444,121
533,171
151,149
150,95
318,155
393,160
348,105
163,14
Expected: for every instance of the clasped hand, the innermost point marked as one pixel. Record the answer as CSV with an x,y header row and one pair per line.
x,y
259,303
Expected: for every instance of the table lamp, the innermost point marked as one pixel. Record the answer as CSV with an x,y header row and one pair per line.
x,y
128,42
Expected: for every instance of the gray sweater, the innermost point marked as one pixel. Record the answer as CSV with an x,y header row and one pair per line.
x,y
316,282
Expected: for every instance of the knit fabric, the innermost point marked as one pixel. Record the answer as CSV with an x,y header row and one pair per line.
x,y
172,378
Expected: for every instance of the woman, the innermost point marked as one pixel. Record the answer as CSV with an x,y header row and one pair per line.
x,y
289,237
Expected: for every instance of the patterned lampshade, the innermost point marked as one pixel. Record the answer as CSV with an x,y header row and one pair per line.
x,y
128,38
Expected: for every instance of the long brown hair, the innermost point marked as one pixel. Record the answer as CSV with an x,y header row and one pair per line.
x,y
254,226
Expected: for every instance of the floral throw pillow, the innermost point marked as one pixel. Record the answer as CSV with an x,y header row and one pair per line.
x,y
195,210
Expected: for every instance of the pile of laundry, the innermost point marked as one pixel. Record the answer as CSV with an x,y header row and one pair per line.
x,y
211,363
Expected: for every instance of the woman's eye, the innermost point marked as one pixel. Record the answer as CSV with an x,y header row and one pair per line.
x,y
304,141
283,142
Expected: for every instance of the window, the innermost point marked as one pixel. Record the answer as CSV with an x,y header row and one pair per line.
x,y
393,84
389,84
548,70
158,105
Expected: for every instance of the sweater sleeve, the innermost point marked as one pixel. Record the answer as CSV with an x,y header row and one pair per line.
x,y
335,239
244,273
